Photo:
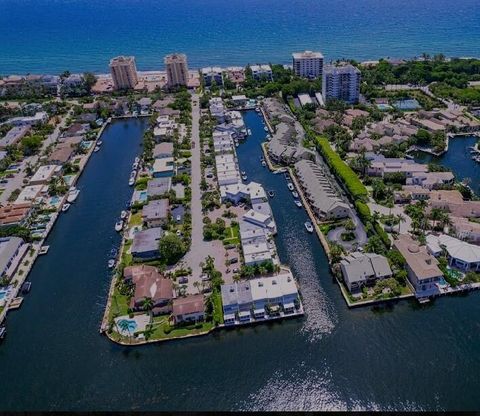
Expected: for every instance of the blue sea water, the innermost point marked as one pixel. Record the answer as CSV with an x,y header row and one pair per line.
x,y
50,36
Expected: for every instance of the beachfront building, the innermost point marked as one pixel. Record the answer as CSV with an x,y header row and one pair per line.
x,y
124,72
236,74
188,309
460,254
308,64
212,74
321,195
341,83
145,244
422,267
12,251
177,70
260,72
363,269
149,284
260,299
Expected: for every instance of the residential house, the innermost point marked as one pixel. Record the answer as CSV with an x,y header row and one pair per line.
x,y
163,150
146,244
158,186
156,212
188,309
460,254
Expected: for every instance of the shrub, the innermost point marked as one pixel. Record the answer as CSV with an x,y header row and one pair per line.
x,y
363,211
382,234
344,172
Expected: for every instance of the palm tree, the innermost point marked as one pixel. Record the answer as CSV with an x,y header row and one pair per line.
x,y
147,305
124,328
401,218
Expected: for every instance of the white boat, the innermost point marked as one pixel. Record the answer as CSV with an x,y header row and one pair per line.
x,y
236,144
137,160
99,143
264,163
298,203
119,226
244,177
243,173
96,149
65,207
131,181
111,263
249,132
257,109
271,194
309,226
290,186
265,128
269,138
135,166
294,194
72,196
44,250
123,214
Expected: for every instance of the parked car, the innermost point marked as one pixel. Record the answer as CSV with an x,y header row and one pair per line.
x,y
178,218
233,260
182,280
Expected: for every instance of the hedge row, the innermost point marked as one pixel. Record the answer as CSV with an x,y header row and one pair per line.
x,y
382,234
363,211
350,179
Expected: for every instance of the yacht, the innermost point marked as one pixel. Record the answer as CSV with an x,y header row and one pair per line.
x,y
72,195
271,193
111,263
264,163
99,143
244,177
249,132
298,203
123,214
119,226
309,226
290,186
294,194
131,181
65,207
96,149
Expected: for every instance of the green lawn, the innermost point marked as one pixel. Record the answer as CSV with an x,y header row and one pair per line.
x,y
120,305
136,219
160,327
232,235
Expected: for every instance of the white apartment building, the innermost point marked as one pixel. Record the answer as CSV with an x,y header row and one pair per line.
x,y
341,83
308,64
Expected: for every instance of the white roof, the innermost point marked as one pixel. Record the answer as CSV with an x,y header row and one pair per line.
x,y
456,248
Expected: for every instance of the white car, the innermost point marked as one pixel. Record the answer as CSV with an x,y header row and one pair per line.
x,y
178,218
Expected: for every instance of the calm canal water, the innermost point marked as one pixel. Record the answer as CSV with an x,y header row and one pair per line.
x,y
404,357
458,159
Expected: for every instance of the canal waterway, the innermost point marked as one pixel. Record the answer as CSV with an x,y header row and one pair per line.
x,y
403,357
458,159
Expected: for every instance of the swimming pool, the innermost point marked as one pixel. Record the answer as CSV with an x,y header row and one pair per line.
x,y
3,293
384,107
142,196
54,200
127,325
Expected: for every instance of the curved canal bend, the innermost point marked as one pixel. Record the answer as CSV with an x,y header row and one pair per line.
x,y
53,358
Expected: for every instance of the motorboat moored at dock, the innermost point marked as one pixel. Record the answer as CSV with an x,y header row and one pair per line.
x,y
72,194
298,203
118,226
290,186
65,207
309,226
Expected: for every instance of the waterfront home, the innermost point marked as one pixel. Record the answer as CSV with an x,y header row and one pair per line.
x,y
168,112
262,71
163,150
13,136
422,267
144,103
30,193
61,154
255,246
227,169
217,109
73,141
239,99
149,283
158,186
15,214
319,192
410,193
223,142
163,167
212,74
460,254
252,192
163,103
44,174
146,244
77,129
156,213
363,269
12,251
381,165
452,201
430,180
188,309
259,299
465,229
260,219
39,118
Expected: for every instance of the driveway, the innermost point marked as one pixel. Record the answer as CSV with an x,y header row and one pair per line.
x,y
405,227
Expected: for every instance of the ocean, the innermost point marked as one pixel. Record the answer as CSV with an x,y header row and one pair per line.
x,y
50,36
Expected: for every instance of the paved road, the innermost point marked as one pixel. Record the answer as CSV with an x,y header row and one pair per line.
x,y
200,249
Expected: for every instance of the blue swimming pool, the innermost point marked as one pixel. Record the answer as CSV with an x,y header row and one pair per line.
x,y
142,196
54,200
3,293
127,325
